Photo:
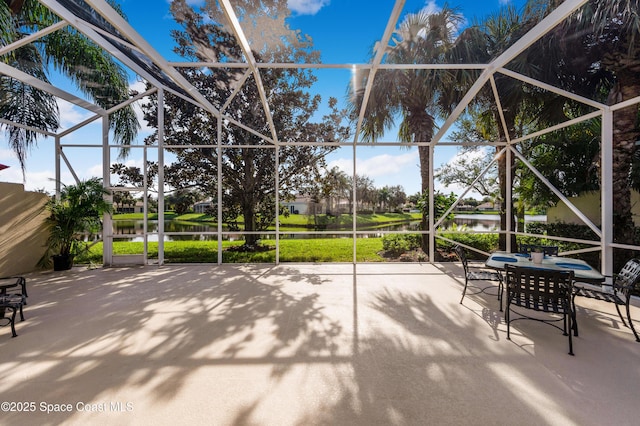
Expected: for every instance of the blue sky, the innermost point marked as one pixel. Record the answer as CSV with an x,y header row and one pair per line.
x,y
342,30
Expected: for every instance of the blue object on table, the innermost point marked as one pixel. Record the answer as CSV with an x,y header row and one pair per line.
x,y
573,266
505,259
522,255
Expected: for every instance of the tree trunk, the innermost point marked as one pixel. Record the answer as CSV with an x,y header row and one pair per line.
x,y
422,124
423,152
502,179
15,5
625,135
248,201
250,224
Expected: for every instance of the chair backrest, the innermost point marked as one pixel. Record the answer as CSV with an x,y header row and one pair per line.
x,y
18,288
628,276
548,250
539,289
462,255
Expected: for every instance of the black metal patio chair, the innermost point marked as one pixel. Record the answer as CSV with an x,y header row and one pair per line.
x,y
13,296
541,290
478,273
620,292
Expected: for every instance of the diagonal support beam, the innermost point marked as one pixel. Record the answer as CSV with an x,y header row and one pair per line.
x,y
246,49
32,37
559,194
377,60
537,32
39,84
120,24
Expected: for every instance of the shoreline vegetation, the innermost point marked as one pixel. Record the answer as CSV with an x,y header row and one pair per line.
x,y
292,220
291,250
370,249
298,219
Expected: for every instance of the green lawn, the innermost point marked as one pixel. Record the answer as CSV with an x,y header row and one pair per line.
x,y
291,250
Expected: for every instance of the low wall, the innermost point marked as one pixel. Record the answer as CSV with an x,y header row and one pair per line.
x,y
589,204
23,235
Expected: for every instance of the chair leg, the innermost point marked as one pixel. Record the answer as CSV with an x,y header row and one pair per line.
x,y
635,333
507,319
12,319
23,284
568,318
620,314
466,282
573,311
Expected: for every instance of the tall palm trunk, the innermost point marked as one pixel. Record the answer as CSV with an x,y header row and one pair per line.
x,y
502,178
424,133
423,152
625,135
504,184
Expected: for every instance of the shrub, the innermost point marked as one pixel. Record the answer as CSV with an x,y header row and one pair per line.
x,y
484,242
396,244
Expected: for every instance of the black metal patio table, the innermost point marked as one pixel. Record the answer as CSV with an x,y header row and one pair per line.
x,y
583,272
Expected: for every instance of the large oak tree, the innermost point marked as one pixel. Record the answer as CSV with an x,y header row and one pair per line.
x,y
249,161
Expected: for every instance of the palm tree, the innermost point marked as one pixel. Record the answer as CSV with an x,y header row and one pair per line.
x,y
93,71
481,43
336,188
384,196
411,94
77,211
613,37
596,53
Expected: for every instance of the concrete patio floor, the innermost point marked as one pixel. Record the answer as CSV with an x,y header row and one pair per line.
x,y
374,344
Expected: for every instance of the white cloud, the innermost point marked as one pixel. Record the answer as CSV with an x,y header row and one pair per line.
x,y
140,87
33,181
7,154
70,115
468,155
307,7
383,165
431,7
455,161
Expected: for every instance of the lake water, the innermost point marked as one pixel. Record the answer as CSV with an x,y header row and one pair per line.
x,y
134,228
489,222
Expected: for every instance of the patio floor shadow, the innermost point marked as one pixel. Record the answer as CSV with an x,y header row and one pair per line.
x,y
304,344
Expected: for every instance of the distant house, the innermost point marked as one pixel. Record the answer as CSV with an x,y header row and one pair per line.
x,y
203,206
138,207
486,206
464,208
304,205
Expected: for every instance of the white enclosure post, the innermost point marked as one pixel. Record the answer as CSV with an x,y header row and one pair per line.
x,y
107,221
606,148
160,176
